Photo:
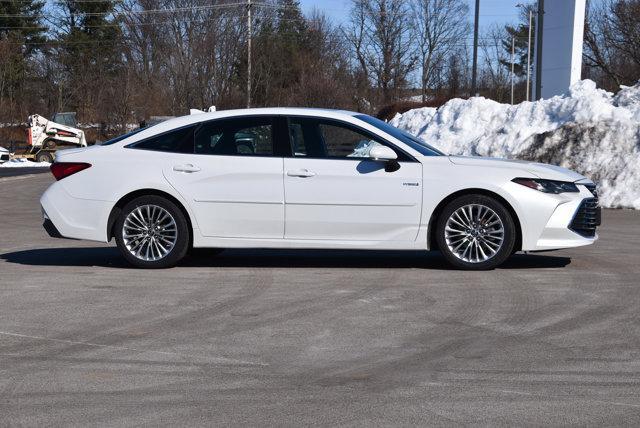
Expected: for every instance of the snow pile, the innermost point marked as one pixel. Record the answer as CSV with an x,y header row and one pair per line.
x,y
23,163
588,130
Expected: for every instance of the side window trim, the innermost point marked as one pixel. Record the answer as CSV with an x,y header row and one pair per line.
x,y
336,122
281,138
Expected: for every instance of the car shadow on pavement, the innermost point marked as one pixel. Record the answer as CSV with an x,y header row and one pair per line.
x,y
375,259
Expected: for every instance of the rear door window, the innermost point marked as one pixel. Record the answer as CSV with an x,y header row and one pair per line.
x,y
247,136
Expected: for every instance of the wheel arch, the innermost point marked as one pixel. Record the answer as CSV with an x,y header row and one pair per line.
x,y
117,209
431,238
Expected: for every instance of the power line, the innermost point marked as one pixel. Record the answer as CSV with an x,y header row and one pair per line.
x,y
127,23
142,23
138,12
288,37
154,11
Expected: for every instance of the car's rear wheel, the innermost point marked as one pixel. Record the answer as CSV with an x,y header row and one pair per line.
x,y
152,232
475,232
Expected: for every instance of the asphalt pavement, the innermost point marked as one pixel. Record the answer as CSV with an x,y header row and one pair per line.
x,y
13,172
263,338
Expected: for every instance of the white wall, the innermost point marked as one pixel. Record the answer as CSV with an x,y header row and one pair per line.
x,y
563,31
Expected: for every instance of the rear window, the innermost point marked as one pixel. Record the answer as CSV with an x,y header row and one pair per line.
x,y
177,141
121,137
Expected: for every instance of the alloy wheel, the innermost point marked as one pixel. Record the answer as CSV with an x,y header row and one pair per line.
x,y
474,233
149,232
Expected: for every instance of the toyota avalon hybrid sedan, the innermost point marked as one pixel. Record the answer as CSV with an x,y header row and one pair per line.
x,y
309,178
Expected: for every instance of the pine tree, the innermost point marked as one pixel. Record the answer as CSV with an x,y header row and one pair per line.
x,y
279,47
520,35
21,36
90,54
20,23
292,25
292,35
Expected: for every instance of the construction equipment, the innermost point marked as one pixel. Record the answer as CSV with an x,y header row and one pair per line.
x,y
45,137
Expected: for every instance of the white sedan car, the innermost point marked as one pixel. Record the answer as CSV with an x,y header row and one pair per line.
x,y
4,155
309,178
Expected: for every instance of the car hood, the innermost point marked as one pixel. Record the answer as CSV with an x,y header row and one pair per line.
x,y
3,150
540,170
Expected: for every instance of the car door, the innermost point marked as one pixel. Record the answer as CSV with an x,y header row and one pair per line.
x,y
334,192
233,180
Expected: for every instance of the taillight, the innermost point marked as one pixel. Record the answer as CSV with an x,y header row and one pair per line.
x,y
61,170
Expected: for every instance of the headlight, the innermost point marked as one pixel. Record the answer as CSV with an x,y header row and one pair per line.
x,y
547,186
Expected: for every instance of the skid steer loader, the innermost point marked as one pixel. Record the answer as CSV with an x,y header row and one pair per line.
x,y
45,137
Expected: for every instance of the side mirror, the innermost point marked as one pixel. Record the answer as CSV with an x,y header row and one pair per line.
x,y
382,153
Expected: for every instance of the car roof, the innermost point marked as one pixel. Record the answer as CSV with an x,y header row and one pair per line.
x,y
187,120
182,121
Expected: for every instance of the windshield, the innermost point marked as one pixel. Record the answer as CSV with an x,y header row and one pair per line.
x,y
414,142
121,137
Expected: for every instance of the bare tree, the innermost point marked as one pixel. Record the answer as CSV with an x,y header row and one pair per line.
x,y
186,57
440,26
494,75
612,42
382,41
356,34
324,73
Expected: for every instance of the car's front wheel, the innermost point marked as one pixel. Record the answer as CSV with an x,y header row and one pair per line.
x,y
152,232
475,232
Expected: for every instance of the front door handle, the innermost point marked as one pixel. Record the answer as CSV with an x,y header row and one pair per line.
x,y
305,173
186,168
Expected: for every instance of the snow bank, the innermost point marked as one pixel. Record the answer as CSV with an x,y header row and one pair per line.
x,y
588,130
23,163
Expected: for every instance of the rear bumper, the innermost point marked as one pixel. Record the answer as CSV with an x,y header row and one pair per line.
x,y
51,229
69,217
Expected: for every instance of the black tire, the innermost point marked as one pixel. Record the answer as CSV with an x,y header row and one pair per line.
x,y
503,252
42,156
182,237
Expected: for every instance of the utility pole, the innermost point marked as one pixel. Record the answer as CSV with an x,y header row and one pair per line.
x,y
539,30
513,55
248,53
528,9
529,55
474,69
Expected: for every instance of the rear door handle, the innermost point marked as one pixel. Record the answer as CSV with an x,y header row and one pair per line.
x,y
186,168
305,173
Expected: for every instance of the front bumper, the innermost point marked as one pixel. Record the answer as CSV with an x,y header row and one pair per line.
x,y
572,223
587,218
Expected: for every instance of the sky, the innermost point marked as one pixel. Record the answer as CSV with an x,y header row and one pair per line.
x,y
491,11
